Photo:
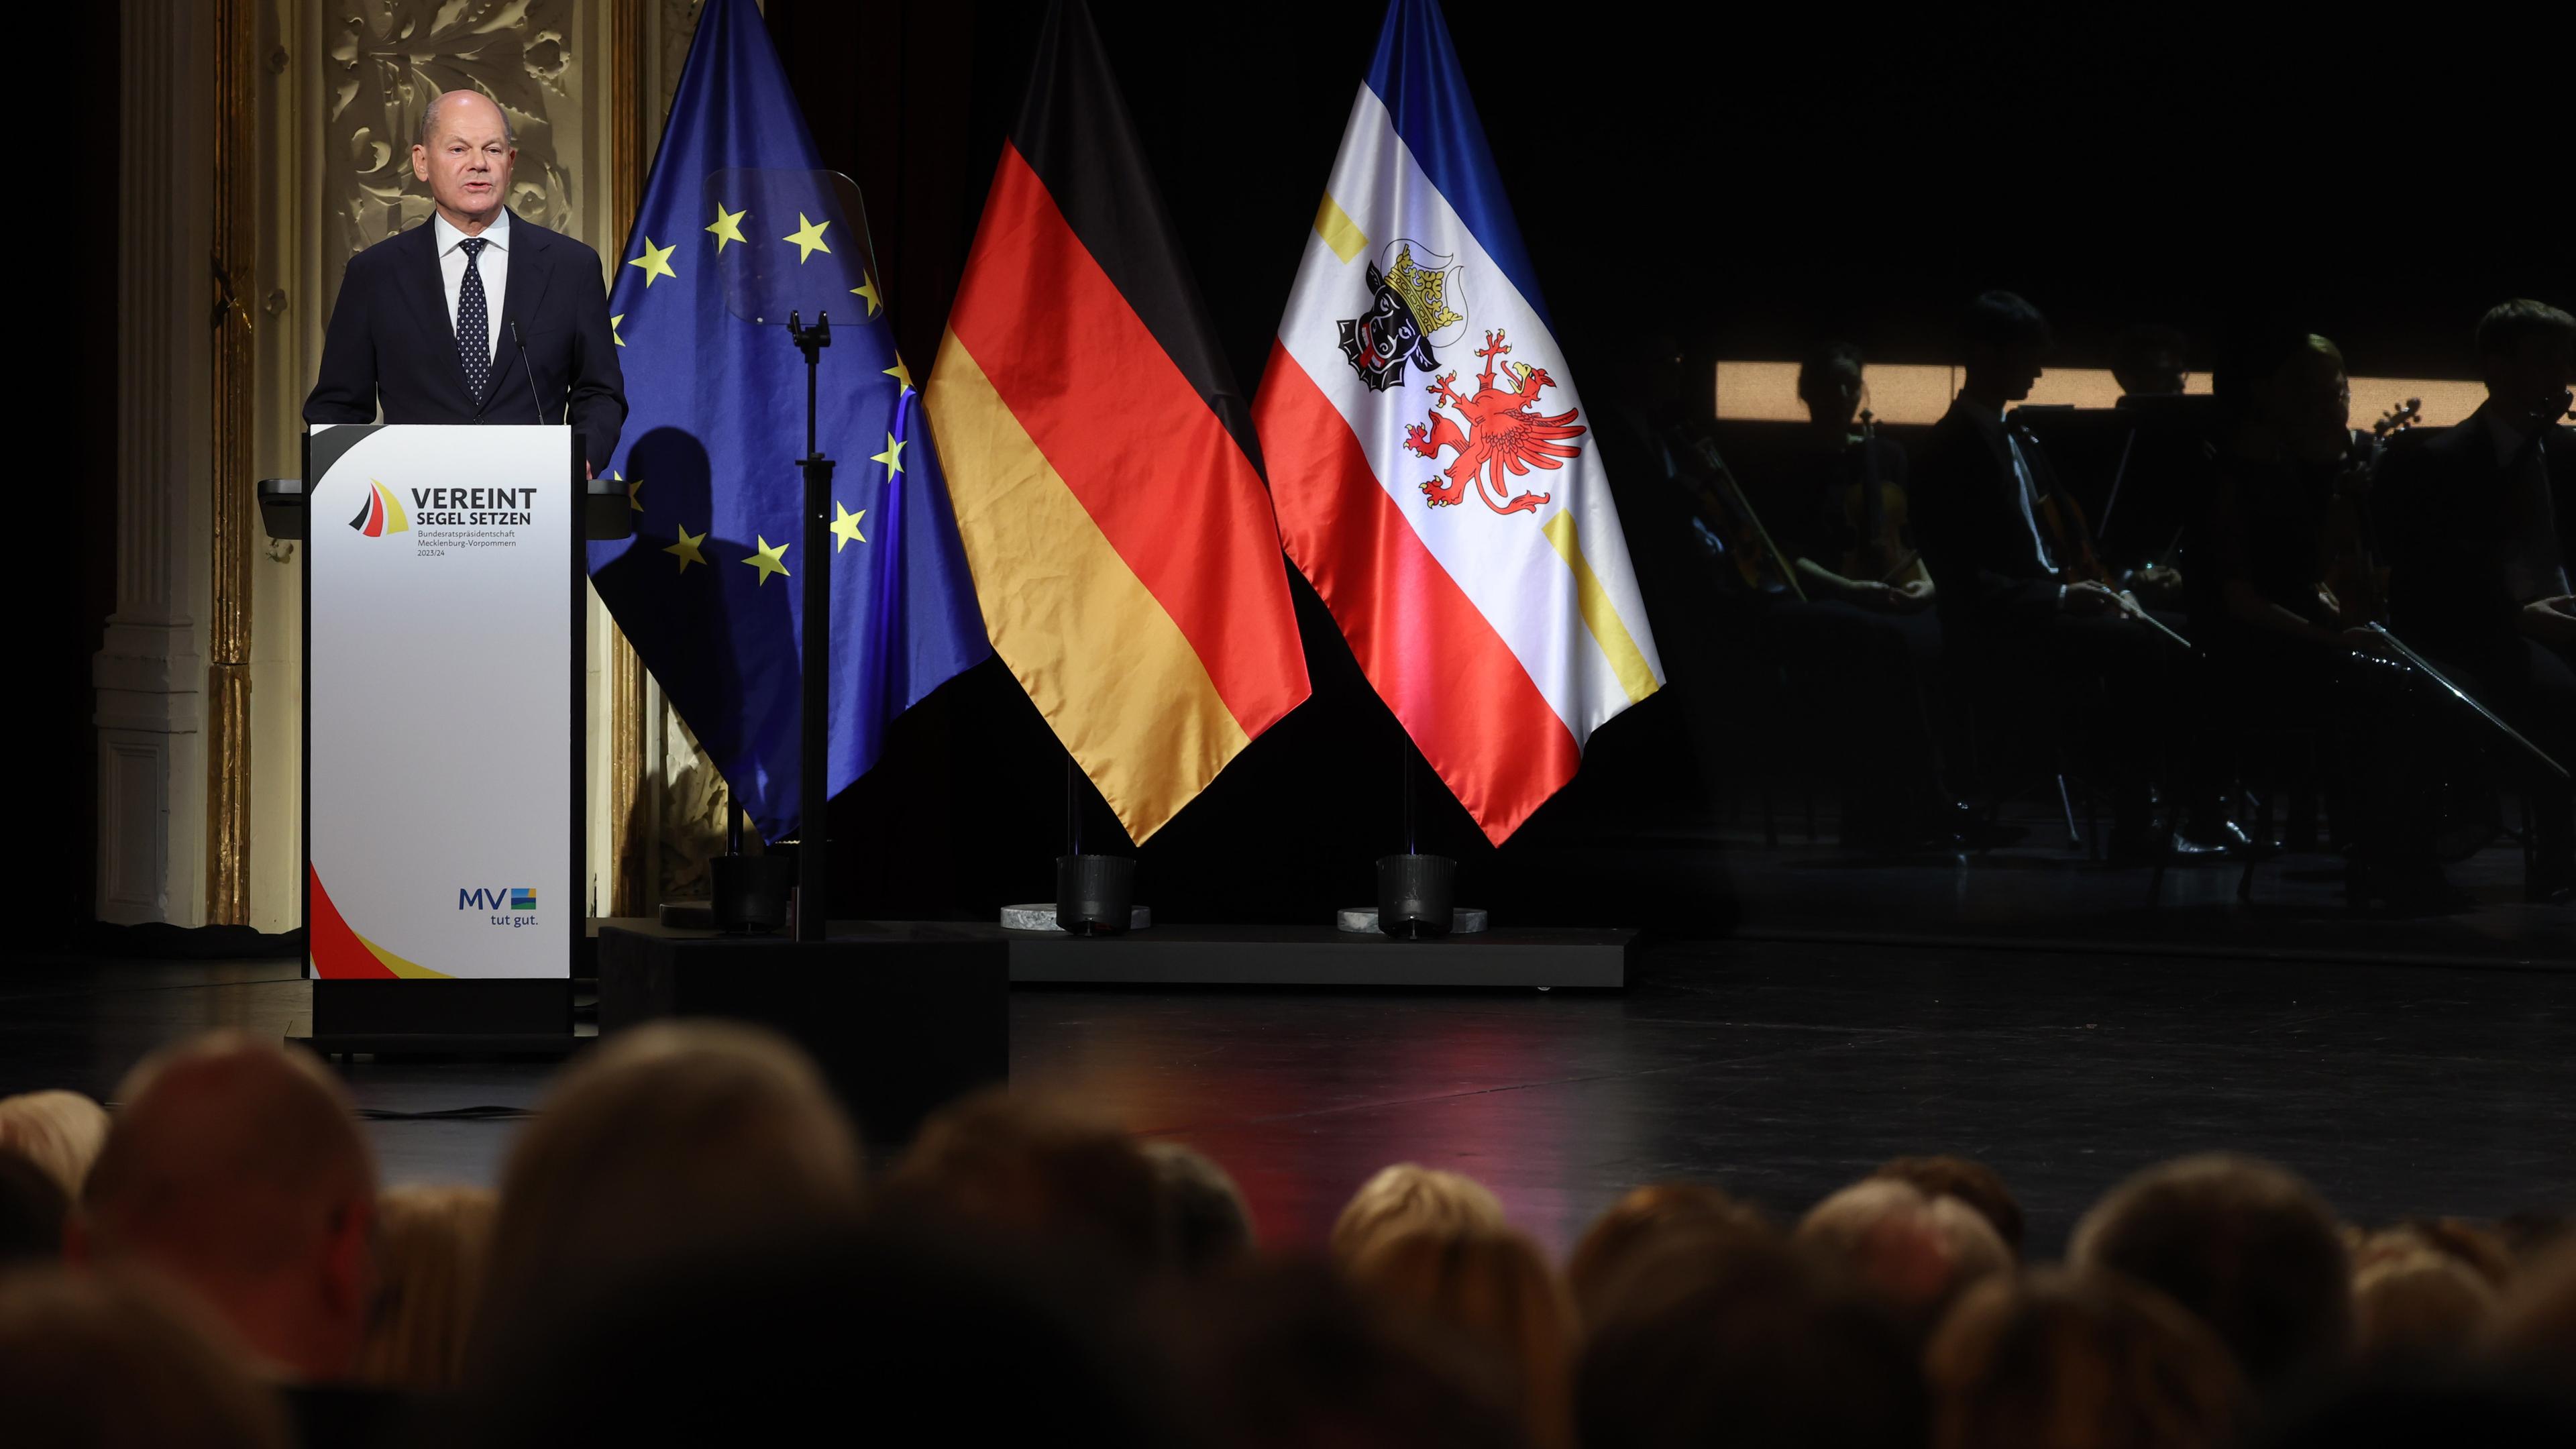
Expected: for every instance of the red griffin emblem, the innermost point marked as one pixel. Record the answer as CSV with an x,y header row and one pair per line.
x,y
1502,433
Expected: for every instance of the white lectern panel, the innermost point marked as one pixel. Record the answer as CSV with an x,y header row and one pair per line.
x,y
443,830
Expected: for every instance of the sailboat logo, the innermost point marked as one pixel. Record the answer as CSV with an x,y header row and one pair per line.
x,y
381,514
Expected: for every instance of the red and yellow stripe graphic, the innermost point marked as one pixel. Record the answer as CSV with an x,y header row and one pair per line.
x,y
341,954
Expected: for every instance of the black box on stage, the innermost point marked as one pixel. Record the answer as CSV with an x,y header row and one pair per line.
x,y
902,1016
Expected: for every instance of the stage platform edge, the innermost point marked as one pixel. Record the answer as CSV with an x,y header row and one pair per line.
x,y
901,1016
1525,956
1530,956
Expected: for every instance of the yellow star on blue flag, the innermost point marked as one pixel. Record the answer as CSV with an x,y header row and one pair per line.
x,y
704,371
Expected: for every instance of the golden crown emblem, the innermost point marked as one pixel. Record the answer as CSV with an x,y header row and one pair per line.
x,y
1424,292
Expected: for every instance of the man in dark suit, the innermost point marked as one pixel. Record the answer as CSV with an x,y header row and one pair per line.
x,y
2473,527
476,316
2007,615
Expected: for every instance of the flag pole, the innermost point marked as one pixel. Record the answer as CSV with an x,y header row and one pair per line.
x,y
1072,805
1409,793
814,790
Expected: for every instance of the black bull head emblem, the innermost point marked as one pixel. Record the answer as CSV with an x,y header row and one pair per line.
x,y
1380,343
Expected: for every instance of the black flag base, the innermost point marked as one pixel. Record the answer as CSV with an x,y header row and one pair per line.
x,y
1416,896
1095,895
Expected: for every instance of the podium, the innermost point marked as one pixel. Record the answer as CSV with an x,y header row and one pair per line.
x,y
444,603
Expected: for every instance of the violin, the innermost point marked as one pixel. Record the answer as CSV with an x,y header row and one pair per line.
x,y
2353,584
2070,535
1720,502
1874,510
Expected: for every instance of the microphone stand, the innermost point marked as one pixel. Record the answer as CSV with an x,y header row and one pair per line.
x,y
527,372
814,794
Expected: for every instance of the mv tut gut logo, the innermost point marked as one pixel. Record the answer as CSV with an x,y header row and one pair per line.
x,y
512,906
383,511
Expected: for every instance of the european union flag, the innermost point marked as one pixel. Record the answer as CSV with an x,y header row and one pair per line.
x,y
739,220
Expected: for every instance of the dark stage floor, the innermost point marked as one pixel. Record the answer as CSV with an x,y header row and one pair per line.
x,y
1702,879
1779,1069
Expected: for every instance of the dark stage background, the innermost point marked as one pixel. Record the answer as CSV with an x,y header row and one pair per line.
x,y
1738,179
1742,179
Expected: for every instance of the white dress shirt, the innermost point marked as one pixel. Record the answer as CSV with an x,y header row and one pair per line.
x,y
493,266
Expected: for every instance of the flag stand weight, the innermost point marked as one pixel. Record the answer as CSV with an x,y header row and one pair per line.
x,y
1416,893
1095,895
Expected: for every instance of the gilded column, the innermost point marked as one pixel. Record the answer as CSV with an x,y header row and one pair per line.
x,y
232,510
629,835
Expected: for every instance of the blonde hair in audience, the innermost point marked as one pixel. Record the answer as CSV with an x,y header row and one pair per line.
x,y
430,1248
1491,1286
1915,1251
60,1132
1407,1196
107,1358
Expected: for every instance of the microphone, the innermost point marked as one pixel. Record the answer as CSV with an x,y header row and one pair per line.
x,y
529,371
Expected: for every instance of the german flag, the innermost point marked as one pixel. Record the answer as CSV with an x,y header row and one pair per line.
x,y
1103,464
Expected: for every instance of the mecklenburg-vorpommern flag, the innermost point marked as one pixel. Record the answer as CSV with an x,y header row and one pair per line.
x,y
1431,462
1103,463
739,218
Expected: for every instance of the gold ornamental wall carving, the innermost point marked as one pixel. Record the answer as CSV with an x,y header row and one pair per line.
x,y
387,59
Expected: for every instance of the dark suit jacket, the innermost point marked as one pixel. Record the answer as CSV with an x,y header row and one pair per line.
x,y
2440,507
1963,501
390,342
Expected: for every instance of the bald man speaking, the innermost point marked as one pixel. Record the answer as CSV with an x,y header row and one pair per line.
x,y
478,316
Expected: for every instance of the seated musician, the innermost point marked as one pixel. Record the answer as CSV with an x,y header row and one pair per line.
x,y
2147,361
1852,666
2477,556
2282,596
1851,554
2014,612
2163,464
1834,463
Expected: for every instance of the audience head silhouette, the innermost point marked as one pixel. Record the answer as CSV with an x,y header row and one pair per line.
x,y
672,1136
2244,1245
2059,1360
1025,1171
1914,1252
60,1132
1209,1222
1642,1222
1494,1290
1973,1183
1407,1196
116,1359
236,1170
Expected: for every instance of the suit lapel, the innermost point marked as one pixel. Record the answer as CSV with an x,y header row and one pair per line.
x,y
426,290
1997,447
521,294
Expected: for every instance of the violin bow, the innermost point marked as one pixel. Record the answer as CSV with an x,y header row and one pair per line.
x,y
2426,668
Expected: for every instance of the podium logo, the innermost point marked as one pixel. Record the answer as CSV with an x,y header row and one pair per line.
x,y
381,514
513,906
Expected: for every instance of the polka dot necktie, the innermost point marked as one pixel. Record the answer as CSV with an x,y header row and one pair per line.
x,y
474,321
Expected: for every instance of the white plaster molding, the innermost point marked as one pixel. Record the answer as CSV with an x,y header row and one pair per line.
x,y
150,671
